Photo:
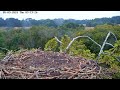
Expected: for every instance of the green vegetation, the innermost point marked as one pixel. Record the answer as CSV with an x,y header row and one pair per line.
x,y
51,45
111,58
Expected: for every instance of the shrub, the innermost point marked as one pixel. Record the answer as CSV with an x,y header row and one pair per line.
x,y
51,45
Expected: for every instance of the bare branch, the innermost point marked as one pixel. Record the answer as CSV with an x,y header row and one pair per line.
x,y
58,40
101,47
4,49
7,57
114,35
101,50
117,59
105,42
80,37
109,44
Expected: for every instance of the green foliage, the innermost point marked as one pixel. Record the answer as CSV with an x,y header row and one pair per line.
x,y
99,34
38,36
87,54
70,25
116,75
2,37
111,57
34,37
107,59
51,45
77,48
65,41
104,27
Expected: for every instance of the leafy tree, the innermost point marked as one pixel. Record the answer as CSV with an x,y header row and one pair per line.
x,y
77,48
70,25
51,45
65,41
12,22
111,58
2,22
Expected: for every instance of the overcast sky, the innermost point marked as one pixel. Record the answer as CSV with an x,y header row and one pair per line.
x,y
80,15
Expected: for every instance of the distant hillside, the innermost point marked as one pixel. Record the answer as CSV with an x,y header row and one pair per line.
x,y
13,22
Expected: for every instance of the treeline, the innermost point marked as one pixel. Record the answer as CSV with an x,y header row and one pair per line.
x,y
34,37
38,36
12,22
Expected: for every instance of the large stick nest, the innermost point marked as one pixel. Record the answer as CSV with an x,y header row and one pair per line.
x,y
47,65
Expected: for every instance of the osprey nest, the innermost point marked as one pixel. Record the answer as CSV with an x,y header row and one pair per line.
x,y
40,64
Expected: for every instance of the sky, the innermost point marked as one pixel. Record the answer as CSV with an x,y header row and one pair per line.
x,y
78,15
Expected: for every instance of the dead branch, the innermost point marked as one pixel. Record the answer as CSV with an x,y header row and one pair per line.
x,y
36,74
114,36
7,57
4,49
109,44
105,42
80,37
101,47
23,77
58,40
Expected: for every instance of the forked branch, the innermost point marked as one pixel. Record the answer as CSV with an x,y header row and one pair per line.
x,y
105,42
101,47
